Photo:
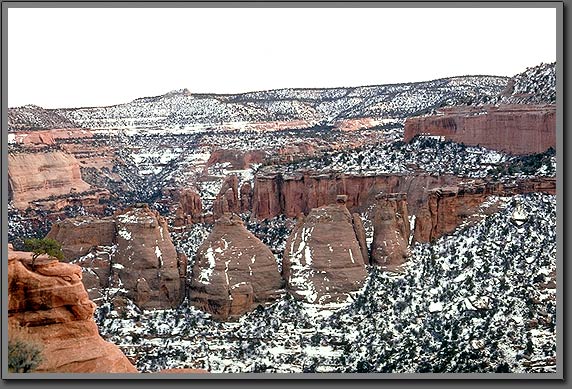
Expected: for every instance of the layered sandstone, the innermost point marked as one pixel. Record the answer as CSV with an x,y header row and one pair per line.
x,y
233,271
80,235
151,270
515,129
227,200
131,250
34,176
50,302
391,231
446,208
323,260
190,208
48,137
292,194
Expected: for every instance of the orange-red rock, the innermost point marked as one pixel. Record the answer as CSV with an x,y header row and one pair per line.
x,y
516,129
53,306
389,248
233,271
323,260
227,200
34,176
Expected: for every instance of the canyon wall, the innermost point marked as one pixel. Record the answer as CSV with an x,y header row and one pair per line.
x,y
34,176
516,129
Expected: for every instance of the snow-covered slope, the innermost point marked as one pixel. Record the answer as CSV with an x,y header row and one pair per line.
x,y
479,300
181,109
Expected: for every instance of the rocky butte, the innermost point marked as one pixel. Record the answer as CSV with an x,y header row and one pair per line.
x,y
323,260
132,251
49,304
233,271
512,128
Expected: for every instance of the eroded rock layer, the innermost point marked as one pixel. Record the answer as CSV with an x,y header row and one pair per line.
x,y
323,260
34,176
233,271
516,129
49,301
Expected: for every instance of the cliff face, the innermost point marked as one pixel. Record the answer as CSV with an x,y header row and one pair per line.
x,y
227,200
34,176
390,231
515,129
299,193
323,259
190,208
51,303
447,207
238,159
233,272
80,235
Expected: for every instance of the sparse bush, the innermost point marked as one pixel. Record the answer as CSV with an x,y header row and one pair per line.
x,y
24,354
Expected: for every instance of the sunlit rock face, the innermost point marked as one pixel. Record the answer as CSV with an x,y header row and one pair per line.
x,y
51,303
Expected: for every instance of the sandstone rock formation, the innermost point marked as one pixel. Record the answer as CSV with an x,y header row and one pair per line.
x,y
389,248
33,176
227,199
190,208
446,208
516,129
233,271
277,193
323,259
131,250
80,235
146,260
246,197
53,306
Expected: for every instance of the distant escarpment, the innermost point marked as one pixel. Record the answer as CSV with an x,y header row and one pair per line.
x,y
233,271
515,129
132,251
49,302
35,176
323,261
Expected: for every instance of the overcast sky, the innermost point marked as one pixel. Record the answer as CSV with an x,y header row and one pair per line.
x,y
89,57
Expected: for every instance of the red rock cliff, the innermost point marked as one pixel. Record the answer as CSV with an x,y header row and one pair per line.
x,y
34,176
516,129
53,306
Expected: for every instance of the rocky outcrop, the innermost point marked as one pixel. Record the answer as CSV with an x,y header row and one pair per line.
x,y
323,260
360,236
227,199
190,208
34,176
292,194
80,235
515,129
246,197
391,230
131,250
146,261
50,302
233,271
446,208
48,137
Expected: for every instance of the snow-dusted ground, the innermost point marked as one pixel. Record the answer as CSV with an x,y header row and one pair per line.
x,y
478,300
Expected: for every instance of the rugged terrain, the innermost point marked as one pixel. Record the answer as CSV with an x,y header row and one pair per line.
x,y
392,228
